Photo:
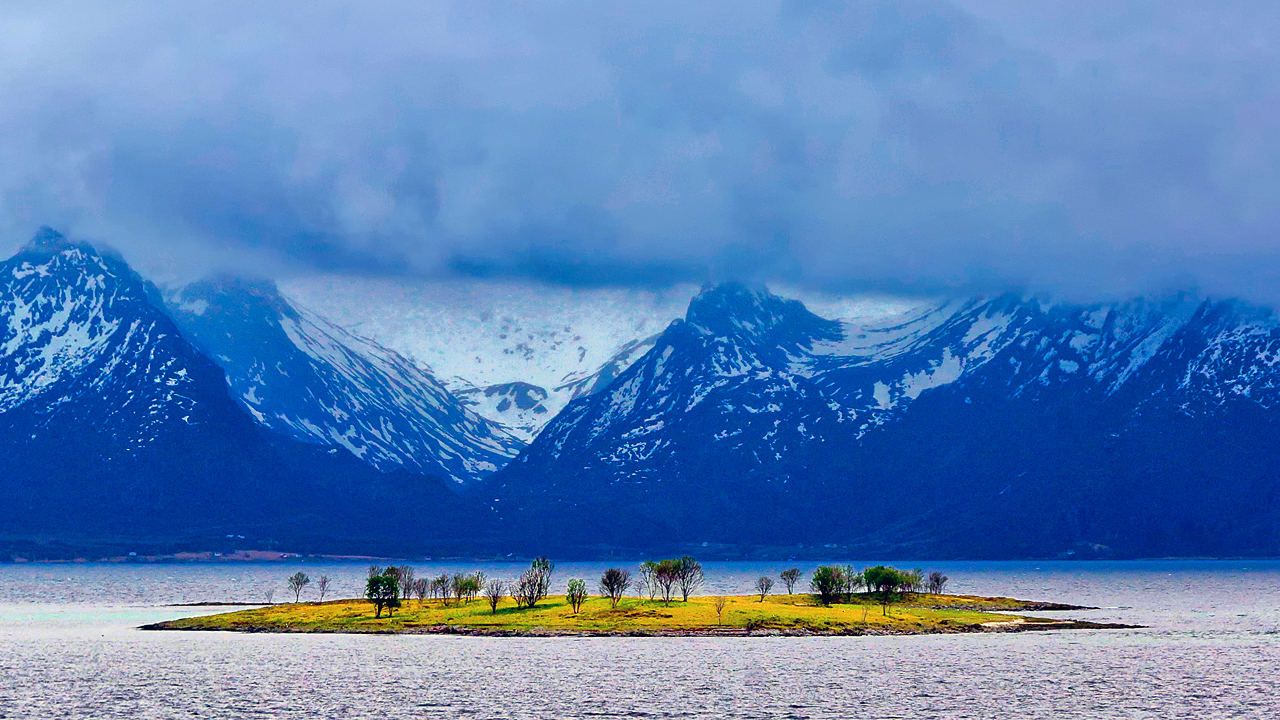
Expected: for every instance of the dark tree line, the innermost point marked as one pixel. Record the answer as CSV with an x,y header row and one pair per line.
x,y
884,584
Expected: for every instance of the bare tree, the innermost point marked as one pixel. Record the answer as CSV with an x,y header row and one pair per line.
x,y
534,584
764,585
576,593
440,588
542,567
853,582
374,571
494,591
690,577
271,596
790,578
323,586
407,579
613,583
421,587
297,581
937,581
649,578
718,602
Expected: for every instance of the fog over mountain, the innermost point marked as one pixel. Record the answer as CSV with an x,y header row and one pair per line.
x,y
917,146
518,352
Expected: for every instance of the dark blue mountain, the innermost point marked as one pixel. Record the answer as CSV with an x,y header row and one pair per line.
x,y
307,378
1002,427
113,428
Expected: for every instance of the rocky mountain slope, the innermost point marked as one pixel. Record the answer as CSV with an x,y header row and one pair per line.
x,y
991,427
515,353
112,425
307,378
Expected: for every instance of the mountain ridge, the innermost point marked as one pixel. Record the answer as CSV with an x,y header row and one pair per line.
x,y
112,424
307,378
998,396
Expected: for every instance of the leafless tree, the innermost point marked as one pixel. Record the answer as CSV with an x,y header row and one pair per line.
x,y
718,602
271,596
937,581
421,587
374,571
440,588
690,577
494,591
323,586
534,584
524,591
542,568
764,585
649,578
297,581
613,583
790,578
407,579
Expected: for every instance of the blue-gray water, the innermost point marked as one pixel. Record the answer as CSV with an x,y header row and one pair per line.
x,y
68,649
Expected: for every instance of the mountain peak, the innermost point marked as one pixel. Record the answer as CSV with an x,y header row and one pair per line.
x,y
237,295
49,241
739,310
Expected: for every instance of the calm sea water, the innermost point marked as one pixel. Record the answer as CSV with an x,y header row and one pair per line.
x,y
68,649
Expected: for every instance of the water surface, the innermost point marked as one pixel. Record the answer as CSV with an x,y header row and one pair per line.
x,y
68,648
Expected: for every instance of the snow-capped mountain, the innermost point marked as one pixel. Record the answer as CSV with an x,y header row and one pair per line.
x,y
517,354
79,325
303,376
113,425
951,426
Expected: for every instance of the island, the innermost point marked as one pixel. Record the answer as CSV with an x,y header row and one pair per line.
x,y
790,615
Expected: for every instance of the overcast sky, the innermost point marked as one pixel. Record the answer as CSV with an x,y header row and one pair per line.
x,y
1088,148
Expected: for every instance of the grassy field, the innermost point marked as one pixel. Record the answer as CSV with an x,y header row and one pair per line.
x,y
778,614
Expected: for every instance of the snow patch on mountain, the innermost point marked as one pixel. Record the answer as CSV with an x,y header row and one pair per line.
x,y
306,377
517,353
75,323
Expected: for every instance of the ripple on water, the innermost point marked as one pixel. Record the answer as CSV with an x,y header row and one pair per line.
x,y
1211,652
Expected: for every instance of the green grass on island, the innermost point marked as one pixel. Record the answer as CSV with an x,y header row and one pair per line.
x,y
778,614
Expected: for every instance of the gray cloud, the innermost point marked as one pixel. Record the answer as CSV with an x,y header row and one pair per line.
x,y
1085,147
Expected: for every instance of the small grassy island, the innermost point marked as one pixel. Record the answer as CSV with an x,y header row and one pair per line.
x,y
530,611
743,615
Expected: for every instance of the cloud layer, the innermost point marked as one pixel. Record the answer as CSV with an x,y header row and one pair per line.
x,y
1086,147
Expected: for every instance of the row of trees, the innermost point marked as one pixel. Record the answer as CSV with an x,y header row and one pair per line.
x,y
661,579
664,578
839,582
385,587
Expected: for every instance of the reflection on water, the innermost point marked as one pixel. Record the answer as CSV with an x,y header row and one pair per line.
x,y
68,649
